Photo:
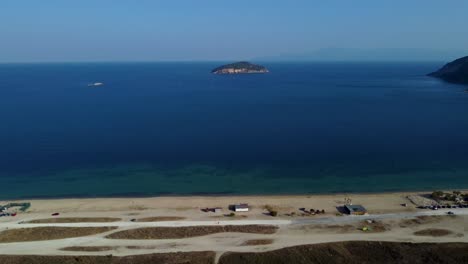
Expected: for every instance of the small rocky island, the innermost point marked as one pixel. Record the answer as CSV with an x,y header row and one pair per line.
x,y
454,72
239,68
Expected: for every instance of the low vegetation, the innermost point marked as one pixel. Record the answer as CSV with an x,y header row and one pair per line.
x,y
271,210
88,249
355,252
352,252
420,220
257,242
49,233
189,231
434,232
455,196
160,246
109,248
203,257
364,226
160,219
74,220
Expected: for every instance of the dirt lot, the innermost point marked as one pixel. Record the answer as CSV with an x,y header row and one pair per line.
x,y
189,231
74,220
49,233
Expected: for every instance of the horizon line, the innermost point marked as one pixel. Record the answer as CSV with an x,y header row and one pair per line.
x,y
211,61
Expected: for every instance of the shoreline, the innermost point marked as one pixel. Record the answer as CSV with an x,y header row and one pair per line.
x,y
208,195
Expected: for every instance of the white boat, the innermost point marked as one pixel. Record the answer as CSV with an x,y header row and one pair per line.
x,y
96,84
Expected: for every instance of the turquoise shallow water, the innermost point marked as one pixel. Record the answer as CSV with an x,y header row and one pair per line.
x,y
141,180
175,129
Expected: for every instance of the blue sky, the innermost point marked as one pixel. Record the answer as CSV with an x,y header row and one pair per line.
x,y
145,30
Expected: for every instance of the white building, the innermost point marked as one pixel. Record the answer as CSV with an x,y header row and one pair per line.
x,y
241,208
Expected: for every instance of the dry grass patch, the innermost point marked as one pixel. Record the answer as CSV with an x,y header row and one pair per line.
x,y
49,233
373,227
88,249
162,246
203,257
420,220
189,231
74,220
340,229
160,219
257,242
141,247
434,232
109,248
354,252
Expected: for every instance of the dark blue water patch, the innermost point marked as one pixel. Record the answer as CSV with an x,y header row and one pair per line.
x,y
312,123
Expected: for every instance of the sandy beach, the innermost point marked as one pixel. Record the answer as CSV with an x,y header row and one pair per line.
x,y
190,205
387,220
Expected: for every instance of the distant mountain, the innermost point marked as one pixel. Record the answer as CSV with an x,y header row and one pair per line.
x,y
239,68
454,72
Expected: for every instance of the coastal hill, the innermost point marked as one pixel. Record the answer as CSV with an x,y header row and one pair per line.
x,y
240,67
454,72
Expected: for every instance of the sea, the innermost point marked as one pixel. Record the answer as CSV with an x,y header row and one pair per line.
x,y
167,129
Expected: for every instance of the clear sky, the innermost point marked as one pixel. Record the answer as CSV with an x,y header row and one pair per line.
x,y
152,30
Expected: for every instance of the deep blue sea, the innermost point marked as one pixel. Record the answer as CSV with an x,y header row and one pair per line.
x,y
176,129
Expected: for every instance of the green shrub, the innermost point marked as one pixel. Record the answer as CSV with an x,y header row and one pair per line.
x,y
437,195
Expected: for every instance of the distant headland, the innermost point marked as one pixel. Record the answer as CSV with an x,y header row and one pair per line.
x,y
240,68
454,72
